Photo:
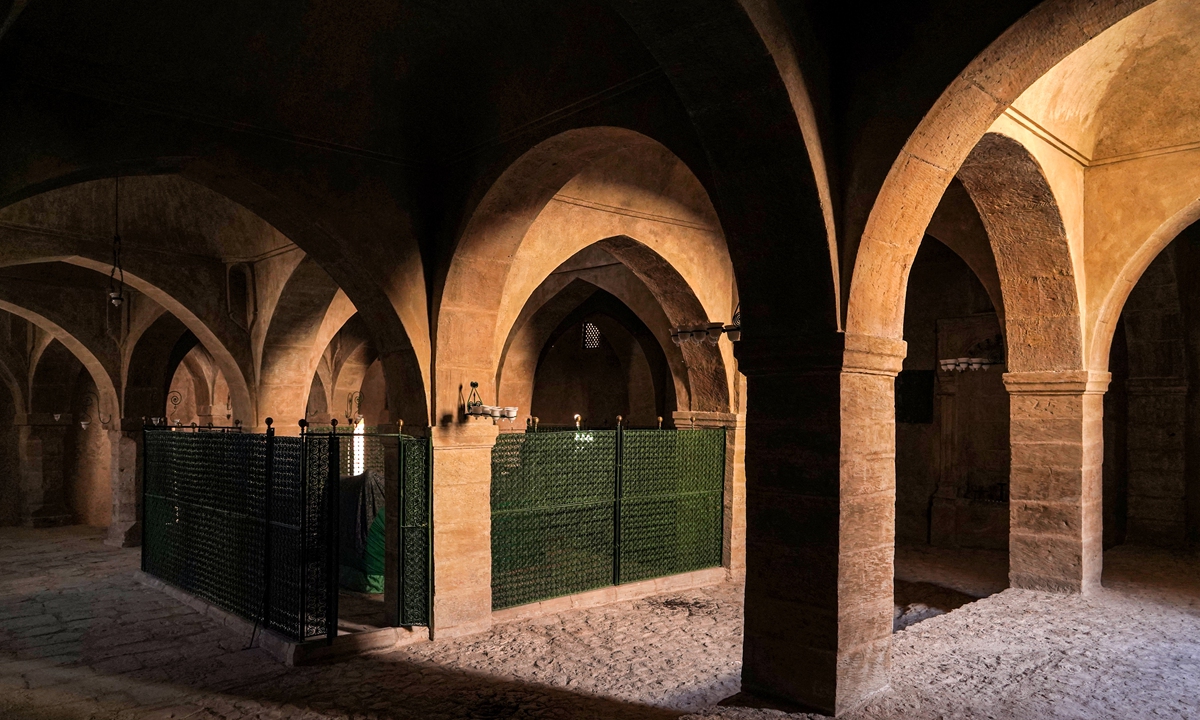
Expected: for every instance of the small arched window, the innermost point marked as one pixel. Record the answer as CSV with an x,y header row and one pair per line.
x,y
591,336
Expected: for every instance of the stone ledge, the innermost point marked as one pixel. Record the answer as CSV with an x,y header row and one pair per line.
x,y
870,355
290,652
616,593
1066,382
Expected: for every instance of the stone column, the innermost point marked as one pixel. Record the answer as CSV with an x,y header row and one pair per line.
x,y
1155,448
1055,492
40,453
820,518
125,530
733,556
462,527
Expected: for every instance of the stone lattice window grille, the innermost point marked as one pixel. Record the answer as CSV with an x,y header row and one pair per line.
x,y
591,336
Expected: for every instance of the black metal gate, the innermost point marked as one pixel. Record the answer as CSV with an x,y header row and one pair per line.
x,y
578,510
249,522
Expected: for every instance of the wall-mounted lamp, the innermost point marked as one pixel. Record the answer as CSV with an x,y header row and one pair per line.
x,y
116,278
174,398
980,356
475,407
710,332
354,406
966,363
90,400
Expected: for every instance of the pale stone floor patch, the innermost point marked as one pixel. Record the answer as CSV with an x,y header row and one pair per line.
x,y
79,638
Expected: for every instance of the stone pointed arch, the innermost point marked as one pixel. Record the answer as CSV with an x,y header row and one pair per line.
x,y
1133,269
374,261
150,368
605,186
529,341
874,349
291,346
598,185
941,143
1029,241
110,399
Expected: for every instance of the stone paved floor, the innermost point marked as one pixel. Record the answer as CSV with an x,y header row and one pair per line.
x,y
80,639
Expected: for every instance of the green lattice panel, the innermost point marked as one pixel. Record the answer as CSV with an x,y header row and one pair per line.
x,y
551,470
670,534
553,496
203,516
546,553
414,532
666,462
672,502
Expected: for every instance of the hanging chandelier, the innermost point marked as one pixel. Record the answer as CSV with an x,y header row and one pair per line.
x,y
116,278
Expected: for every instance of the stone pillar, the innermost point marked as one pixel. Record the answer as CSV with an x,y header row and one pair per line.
x,y
733,555
1155,448
462,527
125,529
820,518
1055,503
42,462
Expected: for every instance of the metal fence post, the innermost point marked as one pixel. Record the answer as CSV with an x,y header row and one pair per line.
x,y
617,505
268,481
427,447
401,541
303,544
142,509
332,541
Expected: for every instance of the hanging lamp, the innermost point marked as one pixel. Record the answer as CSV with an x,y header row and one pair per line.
x,y
116,278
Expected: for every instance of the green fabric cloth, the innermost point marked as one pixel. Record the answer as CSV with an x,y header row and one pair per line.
x,y
367,577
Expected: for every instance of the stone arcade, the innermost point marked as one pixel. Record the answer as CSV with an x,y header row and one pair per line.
x,y
854,350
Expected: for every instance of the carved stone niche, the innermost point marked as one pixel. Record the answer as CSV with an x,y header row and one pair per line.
x,y
970,507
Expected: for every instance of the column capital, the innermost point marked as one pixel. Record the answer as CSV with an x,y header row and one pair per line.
x,y
872,355
1061,382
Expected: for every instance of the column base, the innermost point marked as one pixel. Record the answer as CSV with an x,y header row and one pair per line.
x,y
124,535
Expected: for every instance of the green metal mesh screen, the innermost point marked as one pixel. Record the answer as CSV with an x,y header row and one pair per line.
x,y
415,576
406,461
557,497
552,514
205,516
672,485
373,445
316,564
